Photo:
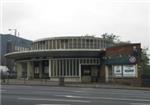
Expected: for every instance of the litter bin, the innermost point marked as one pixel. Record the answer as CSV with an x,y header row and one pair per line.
x,y
61,81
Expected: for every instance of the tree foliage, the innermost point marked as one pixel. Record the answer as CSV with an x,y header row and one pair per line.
x,y
111,37
144,56
116,39
145,60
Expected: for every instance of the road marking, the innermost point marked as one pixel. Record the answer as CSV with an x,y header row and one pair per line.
x,y
2,90
69,96
46,99
118,93
107,98
53,104
140,103
124,99
79,91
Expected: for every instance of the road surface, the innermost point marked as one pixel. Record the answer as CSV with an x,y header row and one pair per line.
x,y
46,95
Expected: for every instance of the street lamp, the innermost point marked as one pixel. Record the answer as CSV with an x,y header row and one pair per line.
x,y
15,40
15,31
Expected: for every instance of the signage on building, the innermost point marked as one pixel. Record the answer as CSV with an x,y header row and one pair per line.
x,y
124,71
86,72
117,70
132,59
129,71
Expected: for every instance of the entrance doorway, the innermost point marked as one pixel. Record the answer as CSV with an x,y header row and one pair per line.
x,y
41,69
90,73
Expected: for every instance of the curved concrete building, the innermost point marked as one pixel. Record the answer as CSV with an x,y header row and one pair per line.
x,y
76,59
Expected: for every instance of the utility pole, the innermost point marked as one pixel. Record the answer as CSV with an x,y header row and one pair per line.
x,y
13,46
15,40
15,31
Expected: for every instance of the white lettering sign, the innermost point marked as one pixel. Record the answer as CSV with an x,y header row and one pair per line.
x,y
117,71
129,71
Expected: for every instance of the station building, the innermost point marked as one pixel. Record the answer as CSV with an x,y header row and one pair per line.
x,y
77,59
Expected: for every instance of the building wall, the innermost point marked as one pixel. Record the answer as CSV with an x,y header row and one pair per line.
x,y
122,56
0,50
85,42
69,57
126,49
10,43
68,64
69,67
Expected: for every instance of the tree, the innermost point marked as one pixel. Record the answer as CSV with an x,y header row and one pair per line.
x,y
145,60
144,56
111,37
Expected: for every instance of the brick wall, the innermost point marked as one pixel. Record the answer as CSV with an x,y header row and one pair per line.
x,y
122,49
120,55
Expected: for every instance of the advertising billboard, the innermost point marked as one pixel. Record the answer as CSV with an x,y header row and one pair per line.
x,y
129,71
117,71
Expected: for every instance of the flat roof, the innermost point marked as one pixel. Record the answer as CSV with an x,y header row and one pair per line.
x,y
66,37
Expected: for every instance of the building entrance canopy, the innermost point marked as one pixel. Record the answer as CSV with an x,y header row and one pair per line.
x,y
55,53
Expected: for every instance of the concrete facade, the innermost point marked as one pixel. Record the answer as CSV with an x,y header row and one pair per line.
x,y
10,43
80,59
124,58
77,59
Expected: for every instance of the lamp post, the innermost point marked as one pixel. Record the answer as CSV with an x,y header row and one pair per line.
x,y
15,31
14,42
15,39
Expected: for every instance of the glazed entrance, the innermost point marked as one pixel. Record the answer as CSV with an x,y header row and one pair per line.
x,y
41,69
90,73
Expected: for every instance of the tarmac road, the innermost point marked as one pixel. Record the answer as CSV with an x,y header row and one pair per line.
x,y
46,95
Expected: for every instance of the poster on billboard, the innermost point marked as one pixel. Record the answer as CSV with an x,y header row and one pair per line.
x,y
129,71
117,70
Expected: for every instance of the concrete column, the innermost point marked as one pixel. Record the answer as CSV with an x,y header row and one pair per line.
x,y
59,67
72,44
55,44
80,71
106,74
77,41
30,74
99,44
40,69
92,45
66,67
76,67
63,67
56,67
52,44
48,44
72,66
69,63
85,44
50,68
81,43
19,70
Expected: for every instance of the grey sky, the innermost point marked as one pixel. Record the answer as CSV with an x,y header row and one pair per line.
x,y
34,19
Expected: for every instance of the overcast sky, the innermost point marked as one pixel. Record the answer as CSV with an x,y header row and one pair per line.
x,y
34,19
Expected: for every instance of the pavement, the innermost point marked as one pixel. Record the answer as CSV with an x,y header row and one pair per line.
x,y
43,82
52,95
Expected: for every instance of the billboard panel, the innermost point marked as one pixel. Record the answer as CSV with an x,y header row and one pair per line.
x,y
129,71
117,70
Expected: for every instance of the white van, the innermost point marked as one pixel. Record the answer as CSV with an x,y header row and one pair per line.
x,y
4,70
